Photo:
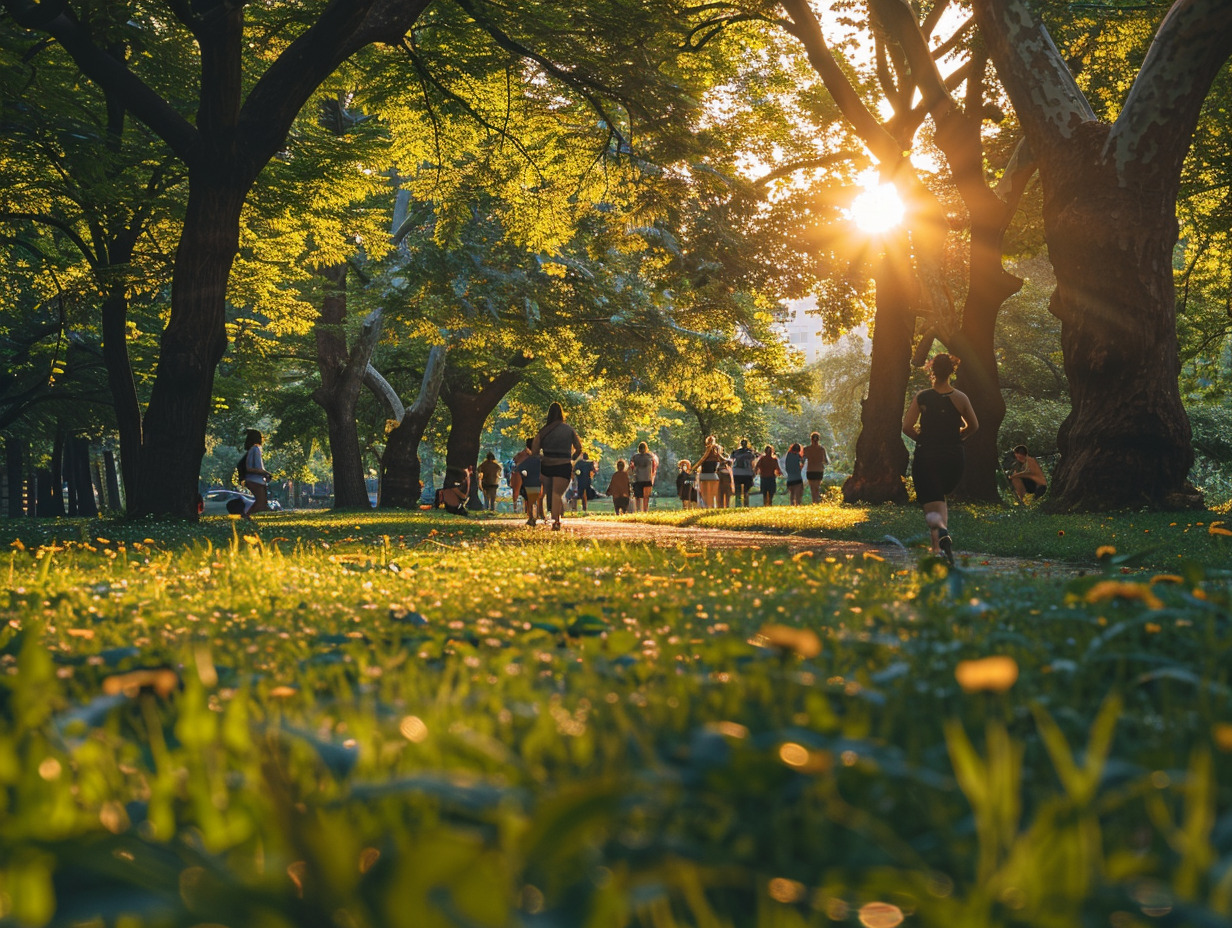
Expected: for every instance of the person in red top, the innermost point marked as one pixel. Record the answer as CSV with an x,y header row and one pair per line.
x,y
767,467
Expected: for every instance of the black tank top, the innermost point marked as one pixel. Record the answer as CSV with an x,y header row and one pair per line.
x,y
940,421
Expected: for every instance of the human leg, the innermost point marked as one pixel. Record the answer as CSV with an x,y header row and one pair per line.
x,y
815,488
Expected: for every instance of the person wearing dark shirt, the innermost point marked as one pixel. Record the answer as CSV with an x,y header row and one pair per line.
x,y
939,420
529,472
619,488
793,461
742,471
557,442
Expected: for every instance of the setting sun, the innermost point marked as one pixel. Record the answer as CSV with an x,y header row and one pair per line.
x,y
878,209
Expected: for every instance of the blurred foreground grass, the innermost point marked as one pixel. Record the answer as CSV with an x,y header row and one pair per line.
x,y
374,720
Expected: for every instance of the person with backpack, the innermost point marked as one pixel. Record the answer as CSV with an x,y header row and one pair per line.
x,y
939,420
251,470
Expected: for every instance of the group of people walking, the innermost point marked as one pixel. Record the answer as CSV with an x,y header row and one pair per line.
x,y
718,480
939,419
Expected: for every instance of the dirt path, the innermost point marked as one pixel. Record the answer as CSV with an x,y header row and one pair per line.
x,y
691,536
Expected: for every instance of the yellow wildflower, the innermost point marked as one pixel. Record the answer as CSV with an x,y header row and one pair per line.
x,y
1123,589
987,674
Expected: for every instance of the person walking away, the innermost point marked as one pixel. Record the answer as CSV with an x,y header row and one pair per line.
x,y
708,474
645,470
489,480
815,461
742,471
556,441
531,482
256,477
685,487
767,467
584,470
793,461
619,488
515,474
725,483
1029,477
939,419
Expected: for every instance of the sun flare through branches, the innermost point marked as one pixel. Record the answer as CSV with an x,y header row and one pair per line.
x,y
877,209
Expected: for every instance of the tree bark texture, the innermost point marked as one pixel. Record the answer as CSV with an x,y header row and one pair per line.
x,y
468,412
114,498
400,469
342,375
192,345
80,477
123,388
1110,224
881,455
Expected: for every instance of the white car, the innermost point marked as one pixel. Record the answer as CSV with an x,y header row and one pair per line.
x,y
216,501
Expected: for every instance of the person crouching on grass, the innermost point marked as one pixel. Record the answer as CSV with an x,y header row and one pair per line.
x,y
618,489
1029,477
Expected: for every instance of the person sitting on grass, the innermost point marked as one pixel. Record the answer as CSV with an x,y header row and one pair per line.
x,y
618,488
685,487
529,474
454,491
1029,477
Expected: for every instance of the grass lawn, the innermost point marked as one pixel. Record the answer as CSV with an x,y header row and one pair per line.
x,y
375,720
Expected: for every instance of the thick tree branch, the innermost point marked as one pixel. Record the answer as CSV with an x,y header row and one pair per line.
x,y
59,21
1048,102
1155,127
383,390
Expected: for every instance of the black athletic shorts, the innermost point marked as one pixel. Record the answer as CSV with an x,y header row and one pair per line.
x,y
557,471
640,487
769,486
815,474
1032,486
742,481
936,470
795,483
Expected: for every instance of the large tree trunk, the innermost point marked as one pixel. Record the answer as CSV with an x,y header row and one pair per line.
x,y
14,465
77,462
881,455
1126,441
468,411
115,500
400,471
974,344
123,388
192,345
342,376
1110,223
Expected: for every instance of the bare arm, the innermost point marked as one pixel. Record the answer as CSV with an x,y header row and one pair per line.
x,y
911,419
971,423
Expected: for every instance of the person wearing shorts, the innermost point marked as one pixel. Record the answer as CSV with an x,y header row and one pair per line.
x,y
686,489
645,466
515,475
767,467
489,480
618,488
815,461
1029,478
793,462
939,420
556,442
708,474
529,469
742,471
584,470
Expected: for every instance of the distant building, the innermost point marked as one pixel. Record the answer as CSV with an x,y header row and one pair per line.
x,y
804,329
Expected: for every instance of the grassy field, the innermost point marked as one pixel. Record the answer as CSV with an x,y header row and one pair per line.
x,y
420,720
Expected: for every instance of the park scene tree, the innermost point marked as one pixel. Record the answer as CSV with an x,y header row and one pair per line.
x,y
287,286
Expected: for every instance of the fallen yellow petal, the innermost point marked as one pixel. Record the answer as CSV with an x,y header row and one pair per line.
x,y
987,674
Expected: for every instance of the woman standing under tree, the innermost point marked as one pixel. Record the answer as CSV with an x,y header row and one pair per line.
x,y
939,419
256,477
793,463
557,442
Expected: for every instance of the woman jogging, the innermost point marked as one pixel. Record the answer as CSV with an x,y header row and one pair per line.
x,y
815,461
557,442
939,419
